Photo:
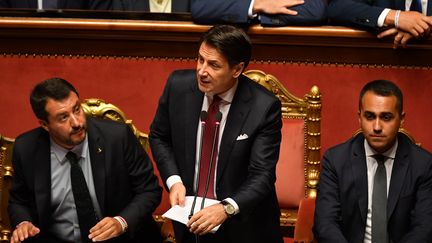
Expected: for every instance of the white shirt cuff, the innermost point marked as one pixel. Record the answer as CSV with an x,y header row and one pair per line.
x,y
173,180
250,13
122,222
382,17
232,202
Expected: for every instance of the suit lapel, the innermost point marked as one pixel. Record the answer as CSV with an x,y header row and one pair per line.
x,y
237,115
97,157
399,170
192,109
359,171
42,172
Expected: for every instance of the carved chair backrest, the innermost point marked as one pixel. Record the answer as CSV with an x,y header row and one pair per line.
x,y
298,167
6,173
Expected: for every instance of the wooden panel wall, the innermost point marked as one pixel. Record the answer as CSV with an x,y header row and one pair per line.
x,y
128,62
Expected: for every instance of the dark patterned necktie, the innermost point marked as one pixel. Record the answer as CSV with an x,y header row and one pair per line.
x,y
207,149
416,6
86,214
379,202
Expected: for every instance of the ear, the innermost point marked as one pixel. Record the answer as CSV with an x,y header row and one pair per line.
x,y
238,69
44,124
402,118
359,117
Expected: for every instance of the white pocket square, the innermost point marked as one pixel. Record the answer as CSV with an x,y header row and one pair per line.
x,y
242,137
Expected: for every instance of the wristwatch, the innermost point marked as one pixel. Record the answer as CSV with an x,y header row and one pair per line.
x,y
228,207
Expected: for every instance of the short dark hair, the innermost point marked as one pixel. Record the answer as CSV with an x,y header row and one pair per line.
x,y
54,88
383,88
230,41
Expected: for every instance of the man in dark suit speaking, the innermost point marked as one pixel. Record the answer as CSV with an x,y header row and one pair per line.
x,y
79,179
242,131
377,186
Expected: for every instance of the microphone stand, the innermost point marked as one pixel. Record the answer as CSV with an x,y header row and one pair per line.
x,y
203,118
218,119
217,124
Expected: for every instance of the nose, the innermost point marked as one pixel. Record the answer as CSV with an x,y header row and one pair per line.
x,y
74,121
377,126
202,69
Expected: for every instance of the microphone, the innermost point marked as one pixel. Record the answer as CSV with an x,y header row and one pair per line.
x,y
216,132
203,118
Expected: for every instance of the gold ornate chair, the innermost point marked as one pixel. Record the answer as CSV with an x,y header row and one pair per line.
x,y
99,108
6,173
298,167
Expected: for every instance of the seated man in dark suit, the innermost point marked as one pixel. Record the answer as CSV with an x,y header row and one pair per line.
x,y
55,4
156,6
377,186
80,179
403,19
268,12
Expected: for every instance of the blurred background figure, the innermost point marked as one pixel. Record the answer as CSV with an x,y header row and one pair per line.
x,y
267,12
400,19
56,4
156,6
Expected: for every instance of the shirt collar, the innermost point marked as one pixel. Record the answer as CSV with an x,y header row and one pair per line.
x,y
390,153
226,96
80,150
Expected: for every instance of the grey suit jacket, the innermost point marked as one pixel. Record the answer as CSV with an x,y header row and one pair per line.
x,y
245,169
123,177
342,200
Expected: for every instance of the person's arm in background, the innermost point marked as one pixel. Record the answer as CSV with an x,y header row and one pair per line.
x,y
272,12
406,25
361,14
311,12
358,14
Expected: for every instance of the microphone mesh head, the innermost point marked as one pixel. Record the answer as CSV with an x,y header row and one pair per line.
x,y
203,116
218,116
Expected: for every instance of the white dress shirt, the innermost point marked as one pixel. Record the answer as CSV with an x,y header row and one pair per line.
x,y
224,108
372,166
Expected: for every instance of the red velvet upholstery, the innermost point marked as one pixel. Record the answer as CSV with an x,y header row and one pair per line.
x,y
290,170
305,220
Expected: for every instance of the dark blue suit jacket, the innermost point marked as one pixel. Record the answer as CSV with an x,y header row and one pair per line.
x,y
245,168
342,200
62,4
312,12
178,6
122,172
363,13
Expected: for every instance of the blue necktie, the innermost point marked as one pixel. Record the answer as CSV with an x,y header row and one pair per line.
x,y
416,6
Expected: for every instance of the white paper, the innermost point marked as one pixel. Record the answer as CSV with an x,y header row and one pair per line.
x,y
181,214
